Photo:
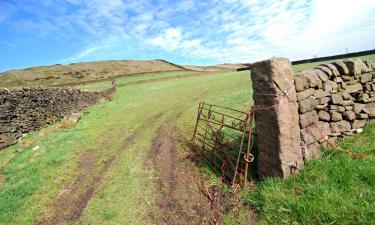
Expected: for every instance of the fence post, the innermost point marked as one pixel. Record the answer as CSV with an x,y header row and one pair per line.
x,y
276,118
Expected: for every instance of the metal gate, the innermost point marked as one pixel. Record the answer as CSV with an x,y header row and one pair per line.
x,y
223,138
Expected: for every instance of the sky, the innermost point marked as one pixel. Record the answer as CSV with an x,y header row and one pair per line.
x,y
44,32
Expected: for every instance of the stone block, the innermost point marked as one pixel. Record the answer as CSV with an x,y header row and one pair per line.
x,y
313,151
370,109
324,100
320,93
366,77
305,94
358,107
335,116
301,83
308,119
307,105
337,99
353,88
349,115
341,67
310,134
341,126
353,66
323,115
358,124
322,75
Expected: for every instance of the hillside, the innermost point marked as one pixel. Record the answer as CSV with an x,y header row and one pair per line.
x,y
76,73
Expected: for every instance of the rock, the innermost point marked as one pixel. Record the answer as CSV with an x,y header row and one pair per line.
x,y
312,78
353,67
337,99
341,108
322,75
353,88
334,70
358,107
307,105
301,83
74,117
338,80
325,69
325,129
313,151
348,108
349,115
358,124
341,67
329,85
7,140
324,100
308,119
346,96
320,93
324,106
323,115
341,126
310,134
362,116
305,94
366,77
277,128
370,109
335,116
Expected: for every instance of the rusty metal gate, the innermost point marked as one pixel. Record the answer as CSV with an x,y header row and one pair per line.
x,y
223,138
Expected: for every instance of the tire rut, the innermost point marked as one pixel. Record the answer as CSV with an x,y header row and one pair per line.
x,y
73,199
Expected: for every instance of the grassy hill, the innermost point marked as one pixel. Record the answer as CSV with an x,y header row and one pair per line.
x,y
81,72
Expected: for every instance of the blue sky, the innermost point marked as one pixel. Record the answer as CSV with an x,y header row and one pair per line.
x,y
43,32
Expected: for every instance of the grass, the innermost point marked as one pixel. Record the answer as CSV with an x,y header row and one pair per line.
x,y
35,178
336,189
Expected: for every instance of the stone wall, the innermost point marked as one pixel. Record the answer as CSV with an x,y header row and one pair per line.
x,y
334,99
30,109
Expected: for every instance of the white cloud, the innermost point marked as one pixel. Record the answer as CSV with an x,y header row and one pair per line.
x,y
213,30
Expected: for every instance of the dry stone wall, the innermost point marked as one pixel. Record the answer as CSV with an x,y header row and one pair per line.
x,y
30,109
334,99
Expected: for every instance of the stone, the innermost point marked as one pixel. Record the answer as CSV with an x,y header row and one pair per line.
x,y
323,115
324,106
362,116
307,105
329,85
349,115
358,107
313,152
308,119
341,67
325,69
370,109
353,67
358,124
341,126
353,88
301,83
320,93
334,70
310,134
348,107
73,118
363,66
341,108
335,116
325,129
312,78
7,140
322,75
346,96
277,128
338,80
324,100
337,99
305,94
366,77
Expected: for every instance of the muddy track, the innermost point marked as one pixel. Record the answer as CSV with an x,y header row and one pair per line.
x,y
73,199
182,199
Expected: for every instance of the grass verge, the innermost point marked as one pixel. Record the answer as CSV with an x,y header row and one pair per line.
x,y
336,189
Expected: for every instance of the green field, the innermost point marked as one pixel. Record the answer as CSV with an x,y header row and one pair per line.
x,y
103,170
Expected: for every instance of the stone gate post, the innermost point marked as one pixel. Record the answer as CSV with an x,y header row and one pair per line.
x,y
276,118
